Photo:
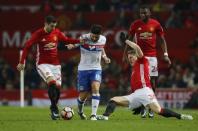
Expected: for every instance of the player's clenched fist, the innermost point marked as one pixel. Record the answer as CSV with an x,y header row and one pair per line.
x,y
167,59
20,67
107,60
123,37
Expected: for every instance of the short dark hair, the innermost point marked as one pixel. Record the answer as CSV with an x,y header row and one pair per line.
x,y
50,19
131,51
96,29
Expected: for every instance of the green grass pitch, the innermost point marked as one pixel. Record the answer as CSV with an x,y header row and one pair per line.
x,y
38,119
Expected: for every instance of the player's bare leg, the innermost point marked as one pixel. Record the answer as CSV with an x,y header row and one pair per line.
x,y
54,94
81,101
154,86
95,99
167,112
143,110
122,101
154,82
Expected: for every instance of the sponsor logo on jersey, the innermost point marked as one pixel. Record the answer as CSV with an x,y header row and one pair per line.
x,y
145,35
50,46
92,47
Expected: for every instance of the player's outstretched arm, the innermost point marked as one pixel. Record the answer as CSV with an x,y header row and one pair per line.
x,y
165,50
135,47
66,39
28,44
72,46
130,37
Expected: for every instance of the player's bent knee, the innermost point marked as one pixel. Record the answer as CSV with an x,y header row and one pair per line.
x,y
156,110
95,90
155,107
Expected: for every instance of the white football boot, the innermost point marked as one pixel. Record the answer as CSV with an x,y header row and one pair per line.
x,y
186,117
102,117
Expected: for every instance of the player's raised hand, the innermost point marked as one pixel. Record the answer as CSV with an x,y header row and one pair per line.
x,y
107,60
123,37
20,67
70,46
167,59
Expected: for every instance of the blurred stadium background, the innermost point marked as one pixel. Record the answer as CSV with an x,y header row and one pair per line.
x,y
177,85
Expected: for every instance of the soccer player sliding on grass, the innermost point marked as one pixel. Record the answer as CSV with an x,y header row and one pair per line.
x,y
140,86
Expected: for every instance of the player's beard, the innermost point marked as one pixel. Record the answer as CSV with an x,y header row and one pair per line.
x,y
49,30
94,40
145,19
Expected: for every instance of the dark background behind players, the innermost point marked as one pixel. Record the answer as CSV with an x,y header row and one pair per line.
x,y
179,18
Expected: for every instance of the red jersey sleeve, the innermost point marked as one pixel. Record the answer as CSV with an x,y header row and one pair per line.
x,y
141,60
67,39
159,30
34,38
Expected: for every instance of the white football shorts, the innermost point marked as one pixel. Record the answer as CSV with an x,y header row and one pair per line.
x,y
143,96
47,70
153,66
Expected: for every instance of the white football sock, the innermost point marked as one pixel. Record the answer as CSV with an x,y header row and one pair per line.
x,y
95,103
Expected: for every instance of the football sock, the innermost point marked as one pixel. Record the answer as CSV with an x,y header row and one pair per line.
x,y
58,95
137,111
95,102
143,109
169,113
80,105
154,83
110,108
52,92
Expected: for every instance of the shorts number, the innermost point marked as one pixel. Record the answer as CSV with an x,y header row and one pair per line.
x,y
98,77
154,69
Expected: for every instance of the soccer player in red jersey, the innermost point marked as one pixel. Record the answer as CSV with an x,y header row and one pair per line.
x,y
144,32
47,62
142,93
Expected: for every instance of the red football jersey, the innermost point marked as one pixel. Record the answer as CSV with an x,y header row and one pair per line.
x,y
46,46
145,35
140,74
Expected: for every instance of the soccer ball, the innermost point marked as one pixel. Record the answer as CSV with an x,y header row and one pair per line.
x,y
67,113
